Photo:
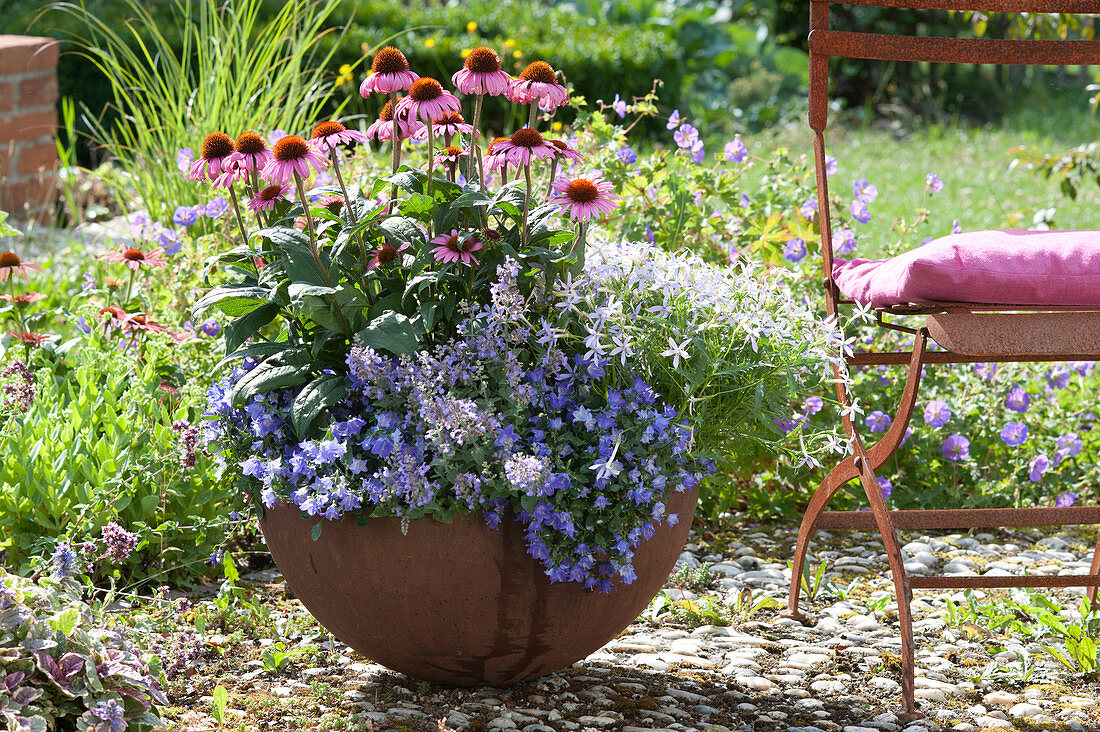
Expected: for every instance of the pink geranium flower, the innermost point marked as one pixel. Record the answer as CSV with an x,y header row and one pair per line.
x,y
216,147
584,198
522,147
382,128
427,101
135,258
481,74
389,72
293,155
453,248
328,136
448,125
538,82
251,151
266,199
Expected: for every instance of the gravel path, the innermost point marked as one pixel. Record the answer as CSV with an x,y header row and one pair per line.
x,y
759,672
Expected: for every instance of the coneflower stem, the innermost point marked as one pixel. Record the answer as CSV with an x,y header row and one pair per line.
x,y
475,137
553,175
533,119
396,137
237,210
353,219
526,203
313,247
431,160
256,192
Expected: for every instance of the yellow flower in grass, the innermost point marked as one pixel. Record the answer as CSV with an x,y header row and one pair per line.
x,y
471,27
345,75
517,54
556,126
466,52
429,43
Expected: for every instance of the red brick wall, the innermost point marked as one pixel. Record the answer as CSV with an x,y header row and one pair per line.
x,y
28,121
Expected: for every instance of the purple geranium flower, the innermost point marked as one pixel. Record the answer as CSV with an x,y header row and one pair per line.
x,y
1018,399
686,136
937,413
878,421
1014,434
619,105
860,212
1066,499
216,207
809,209
985,370
886,486
795,250
956,447
735,150
864,191
845,241
1058,377
831,165
933,183
627,155
673,120
185,216
1038,466
813,405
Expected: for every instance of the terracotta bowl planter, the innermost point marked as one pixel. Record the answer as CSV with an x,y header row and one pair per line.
x,y
458,603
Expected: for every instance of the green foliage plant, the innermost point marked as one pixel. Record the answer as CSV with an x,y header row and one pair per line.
x,y
230,64
63,669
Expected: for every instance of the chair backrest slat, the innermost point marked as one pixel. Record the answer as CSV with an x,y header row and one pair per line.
x,y
952,50
987,6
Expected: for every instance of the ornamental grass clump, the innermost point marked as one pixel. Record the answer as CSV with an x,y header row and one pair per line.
x,y
434,342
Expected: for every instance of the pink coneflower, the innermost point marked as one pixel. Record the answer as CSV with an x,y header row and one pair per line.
x,y
538,82
141,323
251,151
522,147
332,204
293,155
25,299
216,147
493,161
562,151
584,198
329,136
427,100
481,74
382,129
266,199
12,266
385,254
30,338
452,248
389,72
233,170
450,156
448,125
135,258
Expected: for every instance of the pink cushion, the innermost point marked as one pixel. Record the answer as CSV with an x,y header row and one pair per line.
x,y
996,267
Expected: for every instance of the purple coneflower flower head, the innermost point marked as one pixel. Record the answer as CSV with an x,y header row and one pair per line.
x,y
878,421
937,413
1014,434
956,448
233,171
522,147
933,183
1038,466
538,82
860,212
329,136
562,151
385,254
293,155
845,241
1066,499
1018,399
251,150
453,247
584,198
886,486
266,199
450,156
389,72
481,74
216,147
795,250
382,128
735,150
427,101
449,124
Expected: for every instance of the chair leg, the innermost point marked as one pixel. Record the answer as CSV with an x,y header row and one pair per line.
x,y
1090,592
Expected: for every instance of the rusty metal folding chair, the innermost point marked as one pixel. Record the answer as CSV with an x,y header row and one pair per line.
x,y
967,332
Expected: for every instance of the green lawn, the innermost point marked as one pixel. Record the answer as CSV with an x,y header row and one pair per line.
x,y
980,188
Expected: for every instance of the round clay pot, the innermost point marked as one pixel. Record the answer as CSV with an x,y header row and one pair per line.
x,y
458,603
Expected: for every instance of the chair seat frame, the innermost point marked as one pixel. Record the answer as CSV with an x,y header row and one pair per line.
x,y
1022,337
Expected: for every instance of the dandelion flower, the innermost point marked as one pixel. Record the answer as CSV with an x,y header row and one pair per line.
x,y
135,258
251,151
216,148
538,82
328,136
11,266
452,248
293,155
266,199
481,74
427,100
389,72
584,198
